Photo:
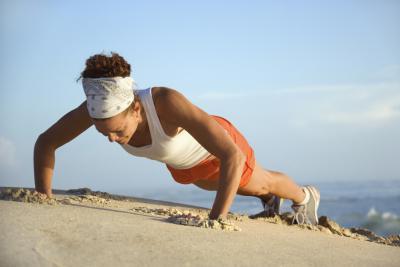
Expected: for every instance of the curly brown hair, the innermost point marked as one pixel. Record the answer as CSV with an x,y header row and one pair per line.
x,y
101,66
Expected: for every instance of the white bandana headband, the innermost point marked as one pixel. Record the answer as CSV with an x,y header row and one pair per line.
x,y
107,97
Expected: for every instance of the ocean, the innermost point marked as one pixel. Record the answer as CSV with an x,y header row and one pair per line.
x,y
373,204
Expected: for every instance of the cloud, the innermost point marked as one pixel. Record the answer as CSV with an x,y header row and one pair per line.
x,y
214,95
7,153
378,111
373,104
360,105
389,72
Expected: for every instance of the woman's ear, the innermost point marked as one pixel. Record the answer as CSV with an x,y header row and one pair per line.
x,y
136,108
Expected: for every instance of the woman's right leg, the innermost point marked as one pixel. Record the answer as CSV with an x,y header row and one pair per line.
x,y
263,183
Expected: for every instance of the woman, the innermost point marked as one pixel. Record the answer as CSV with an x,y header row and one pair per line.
x,y
161,124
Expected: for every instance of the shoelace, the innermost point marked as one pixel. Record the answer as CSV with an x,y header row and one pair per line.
x,y
300,214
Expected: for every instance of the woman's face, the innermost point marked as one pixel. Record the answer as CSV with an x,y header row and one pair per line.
x,y
119,128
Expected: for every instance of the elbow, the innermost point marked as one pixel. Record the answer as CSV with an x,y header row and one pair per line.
x,y
43,141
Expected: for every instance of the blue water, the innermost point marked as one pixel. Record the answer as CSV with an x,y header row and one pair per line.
x,y
374,204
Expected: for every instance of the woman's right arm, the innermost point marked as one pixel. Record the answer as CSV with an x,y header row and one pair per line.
x,y
64,130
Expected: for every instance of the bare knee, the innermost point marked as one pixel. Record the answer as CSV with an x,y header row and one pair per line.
x,y
260,183
269,182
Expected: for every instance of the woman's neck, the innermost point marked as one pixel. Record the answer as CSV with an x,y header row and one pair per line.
x,y
142,119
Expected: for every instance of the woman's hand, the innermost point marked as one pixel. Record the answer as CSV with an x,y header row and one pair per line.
x,y
43,194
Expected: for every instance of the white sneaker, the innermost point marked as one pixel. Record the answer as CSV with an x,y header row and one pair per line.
x,y
307,213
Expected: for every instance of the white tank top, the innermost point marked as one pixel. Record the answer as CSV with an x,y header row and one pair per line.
x,y
180,152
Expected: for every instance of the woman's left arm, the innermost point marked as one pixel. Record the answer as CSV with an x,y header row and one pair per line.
x,y
178,110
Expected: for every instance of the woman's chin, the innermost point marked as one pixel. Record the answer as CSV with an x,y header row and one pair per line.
x,y
122,142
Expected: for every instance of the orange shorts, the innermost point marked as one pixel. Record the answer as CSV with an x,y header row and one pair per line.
x,y
208,169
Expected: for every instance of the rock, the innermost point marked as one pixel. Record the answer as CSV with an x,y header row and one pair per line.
x,y
223,225
396,243
75,198
263,216
66,201
204,224
80,191
394,238
347,232
287,218
191,218
360,237
275,219
16,193
88,191
364,232
307,226
90,199
380,240
214,224
331,225
4,193
25,195
234,217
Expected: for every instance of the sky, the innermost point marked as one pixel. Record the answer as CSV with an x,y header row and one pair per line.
x,y
314,86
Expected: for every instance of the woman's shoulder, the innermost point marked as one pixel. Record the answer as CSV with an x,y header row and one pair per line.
x,y
161,101
165,98
161,91
161,98
161,95
173,106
